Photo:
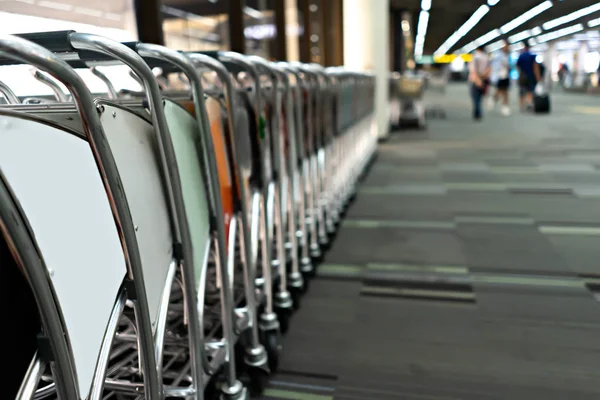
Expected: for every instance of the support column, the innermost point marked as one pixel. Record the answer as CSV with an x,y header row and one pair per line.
x,y
281,37
237,41
549,56
292,23
148,18
366,37
304,7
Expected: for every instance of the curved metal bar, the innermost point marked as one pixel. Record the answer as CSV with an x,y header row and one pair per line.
x,y
302,165
113,322
239,60
310,164
9,95
292,166
324,143
136,78
266,68
256,349
112,92
198,355
32,379
51,83
216,66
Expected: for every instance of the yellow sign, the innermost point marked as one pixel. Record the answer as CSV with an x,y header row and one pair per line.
x,y
448,58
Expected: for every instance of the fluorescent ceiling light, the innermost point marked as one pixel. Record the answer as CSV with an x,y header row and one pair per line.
x,y
468,48
488,37
517,46
526,16
497,45
571,17
425,5
546,37
520,36
464,29
422,26
536,31
251,12
493,2
421,32
594,22
491,35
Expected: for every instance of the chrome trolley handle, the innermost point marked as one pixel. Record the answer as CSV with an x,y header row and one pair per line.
x,y
112,92
9,95
51,83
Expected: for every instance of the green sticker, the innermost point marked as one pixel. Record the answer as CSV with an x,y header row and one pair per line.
x,y
262,126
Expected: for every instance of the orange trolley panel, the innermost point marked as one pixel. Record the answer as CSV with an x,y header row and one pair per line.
x,y
213,109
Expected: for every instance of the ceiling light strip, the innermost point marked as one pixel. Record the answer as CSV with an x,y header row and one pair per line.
x,y
526,16
421,32
594,22
488,37
464,29
546,37
572,16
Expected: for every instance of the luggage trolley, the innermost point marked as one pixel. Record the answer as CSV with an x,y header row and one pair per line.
x,y
333,146
314,218
280,193
289,158
364,125
242,142
343,96
261,83
299,167
323,143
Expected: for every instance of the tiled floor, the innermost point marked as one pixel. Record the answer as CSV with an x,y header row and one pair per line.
x,y
466,266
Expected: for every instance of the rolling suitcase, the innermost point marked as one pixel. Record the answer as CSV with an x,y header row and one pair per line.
x,y
541,104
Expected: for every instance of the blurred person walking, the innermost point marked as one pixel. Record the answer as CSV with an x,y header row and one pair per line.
x,y
479,74
529,76
501,68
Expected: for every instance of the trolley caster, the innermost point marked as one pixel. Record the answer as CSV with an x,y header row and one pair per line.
x,y
315,253
271,339
324,242
258,379
308,271
296,288
235,392
296,293
284,315
284,308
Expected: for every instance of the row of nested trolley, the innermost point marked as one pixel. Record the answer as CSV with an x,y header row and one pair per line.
x,y
154,244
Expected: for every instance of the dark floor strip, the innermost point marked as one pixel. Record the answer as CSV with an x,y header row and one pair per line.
x,y
418,294
307,374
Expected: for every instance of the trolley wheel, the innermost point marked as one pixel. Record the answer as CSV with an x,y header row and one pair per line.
x,y
272,342
296,293
306,284
283,316
258,379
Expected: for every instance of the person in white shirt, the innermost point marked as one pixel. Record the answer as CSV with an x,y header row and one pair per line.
x,y
502,73
479,75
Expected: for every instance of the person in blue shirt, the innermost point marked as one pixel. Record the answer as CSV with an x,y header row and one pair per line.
x,y
529,76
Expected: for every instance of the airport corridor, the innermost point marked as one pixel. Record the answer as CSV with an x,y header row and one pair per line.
x,y
467,268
